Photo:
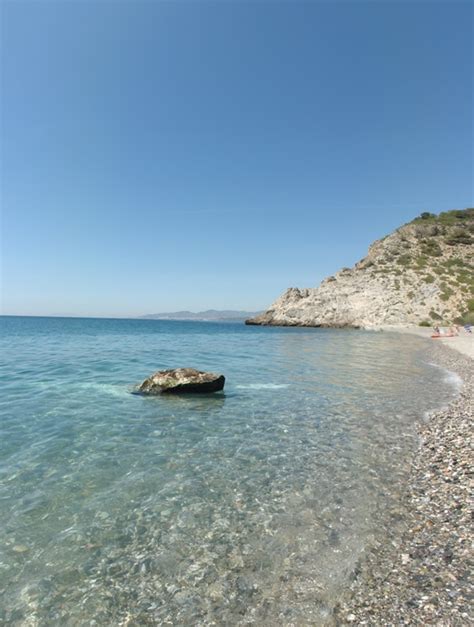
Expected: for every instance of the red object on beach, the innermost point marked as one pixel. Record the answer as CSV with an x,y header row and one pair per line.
x,y
445,335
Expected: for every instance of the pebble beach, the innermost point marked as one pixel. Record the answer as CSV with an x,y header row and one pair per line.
x,y
422,573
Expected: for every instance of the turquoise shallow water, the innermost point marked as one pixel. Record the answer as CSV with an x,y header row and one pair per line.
x,y
247,507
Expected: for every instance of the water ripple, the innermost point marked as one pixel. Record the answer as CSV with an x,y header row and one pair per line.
x,y
247,507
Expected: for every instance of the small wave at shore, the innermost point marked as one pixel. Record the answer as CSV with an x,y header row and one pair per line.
x,y
450,377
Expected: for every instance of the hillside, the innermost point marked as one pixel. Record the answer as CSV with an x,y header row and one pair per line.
x,y
422,273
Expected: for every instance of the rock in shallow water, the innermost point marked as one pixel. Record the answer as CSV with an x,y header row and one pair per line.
x,y
182,380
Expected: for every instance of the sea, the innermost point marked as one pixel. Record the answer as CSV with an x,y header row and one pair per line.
x,y
255,505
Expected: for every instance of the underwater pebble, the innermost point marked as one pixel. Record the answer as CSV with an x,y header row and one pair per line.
x,y
436,556
20,548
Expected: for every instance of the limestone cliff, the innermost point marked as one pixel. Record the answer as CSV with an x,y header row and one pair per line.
x,y
422,273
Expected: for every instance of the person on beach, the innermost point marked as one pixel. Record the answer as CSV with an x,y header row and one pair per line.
x,y
467,328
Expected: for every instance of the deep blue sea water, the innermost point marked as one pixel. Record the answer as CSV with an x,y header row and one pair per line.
x,y
251,506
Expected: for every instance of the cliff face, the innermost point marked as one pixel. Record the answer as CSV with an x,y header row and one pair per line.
x,y
421,273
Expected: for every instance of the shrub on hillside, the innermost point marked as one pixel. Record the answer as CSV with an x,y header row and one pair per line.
x,y
431,248
466,318
459,236
404,260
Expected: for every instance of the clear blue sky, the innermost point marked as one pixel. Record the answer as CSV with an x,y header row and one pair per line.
x,y
188,155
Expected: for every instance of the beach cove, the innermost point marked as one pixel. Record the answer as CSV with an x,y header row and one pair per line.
x,y
229,230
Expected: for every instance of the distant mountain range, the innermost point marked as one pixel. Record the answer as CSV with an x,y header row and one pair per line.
x,y
213,315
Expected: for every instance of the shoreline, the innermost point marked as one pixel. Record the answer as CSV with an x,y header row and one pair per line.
x,y
423,574
462,343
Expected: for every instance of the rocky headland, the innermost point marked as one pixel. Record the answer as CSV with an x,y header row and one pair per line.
x,y
422,274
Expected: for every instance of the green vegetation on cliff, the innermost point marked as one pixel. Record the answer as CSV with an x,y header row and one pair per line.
x,y
448,236
421,273
446,218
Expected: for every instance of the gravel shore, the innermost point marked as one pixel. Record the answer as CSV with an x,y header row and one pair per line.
x,y
425,575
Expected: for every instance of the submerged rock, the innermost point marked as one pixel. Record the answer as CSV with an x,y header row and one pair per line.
x,y
182,380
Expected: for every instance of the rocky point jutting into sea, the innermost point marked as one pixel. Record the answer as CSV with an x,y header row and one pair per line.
x,y
422,273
